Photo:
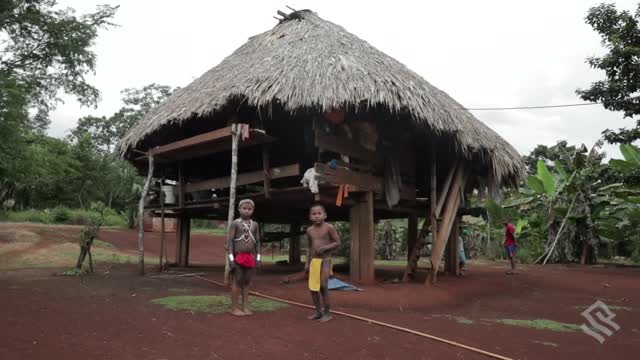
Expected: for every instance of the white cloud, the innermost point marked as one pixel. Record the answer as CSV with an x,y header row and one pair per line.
x,y
483,53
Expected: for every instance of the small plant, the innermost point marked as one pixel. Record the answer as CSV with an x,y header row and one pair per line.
x,y
60,214
73,272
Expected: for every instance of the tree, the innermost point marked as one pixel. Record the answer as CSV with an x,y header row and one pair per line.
x,y
43,50
620,90
106,132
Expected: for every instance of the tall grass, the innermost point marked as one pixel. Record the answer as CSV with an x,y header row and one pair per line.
x,y
63,215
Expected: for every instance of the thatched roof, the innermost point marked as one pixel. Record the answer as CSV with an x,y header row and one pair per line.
x,y
308,62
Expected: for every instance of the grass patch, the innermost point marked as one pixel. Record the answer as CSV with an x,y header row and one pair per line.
x,y
210,231
541,324
545,343
213,304
458,319
100,243
65,255
63,215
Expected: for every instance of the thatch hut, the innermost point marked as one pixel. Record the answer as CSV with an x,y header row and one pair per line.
x,y
315,96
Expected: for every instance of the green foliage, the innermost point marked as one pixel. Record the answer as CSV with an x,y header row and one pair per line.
x,y
547,179
66,216
620,35
542,324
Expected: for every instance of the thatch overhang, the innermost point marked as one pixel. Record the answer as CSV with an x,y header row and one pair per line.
x,y
306,63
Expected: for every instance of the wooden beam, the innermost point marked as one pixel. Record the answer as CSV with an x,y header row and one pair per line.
x,y
452,254
448,219
185,239
339,176
207,143
245,178
343,146
445,188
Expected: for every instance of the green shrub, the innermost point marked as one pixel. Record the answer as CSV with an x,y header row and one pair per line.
x,y
37,216
60,214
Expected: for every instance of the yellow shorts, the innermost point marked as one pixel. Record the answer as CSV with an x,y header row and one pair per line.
x,y
315,274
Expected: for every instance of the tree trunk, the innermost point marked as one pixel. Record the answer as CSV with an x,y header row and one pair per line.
x,y
145,190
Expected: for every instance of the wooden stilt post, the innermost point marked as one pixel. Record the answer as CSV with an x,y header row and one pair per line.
x,y
367,241
450,213
294,244
452,254
179,224
161,224
185,239
354,234
145,190
433,212
235,135
412,234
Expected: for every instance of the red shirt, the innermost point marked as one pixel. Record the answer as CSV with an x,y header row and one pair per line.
x,y
509,234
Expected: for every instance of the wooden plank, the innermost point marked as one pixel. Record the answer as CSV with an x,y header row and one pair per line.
x,y
185,239
338,176
343,146
266,174
192,141
245,178
450,213
445,188
179,225
354,235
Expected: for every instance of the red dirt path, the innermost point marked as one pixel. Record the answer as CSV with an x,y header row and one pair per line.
x,y
99,316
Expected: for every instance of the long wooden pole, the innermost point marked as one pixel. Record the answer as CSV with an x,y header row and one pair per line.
x,y
235,135
371,321
145,190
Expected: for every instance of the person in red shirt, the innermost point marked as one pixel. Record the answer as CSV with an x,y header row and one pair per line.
x,y
510,244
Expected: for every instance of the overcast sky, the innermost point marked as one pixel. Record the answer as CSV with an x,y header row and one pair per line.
x,y
486,53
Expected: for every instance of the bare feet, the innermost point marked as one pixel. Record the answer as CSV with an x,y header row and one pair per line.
x,y
247,312
511,272
325,317
237,312
315,316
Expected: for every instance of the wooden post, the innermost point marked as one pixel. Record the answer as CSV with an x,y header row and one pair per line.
x,y
180,185
185,239
452,253
363,250
412,234
179,225
266,166
235,135
433,202
294,244
367,241
145,190
450,213
354,234
161,225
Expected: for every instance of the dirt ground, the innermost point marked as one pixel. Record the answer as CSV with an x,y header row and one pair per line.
x,y
109,315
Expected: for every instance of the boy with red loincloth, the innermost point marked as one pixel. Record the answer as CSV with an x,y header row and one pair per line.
x,y
243,246
510,245
323,240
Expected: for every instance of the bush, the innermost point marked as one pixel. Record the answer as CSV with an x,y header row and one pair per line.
x,y
37,216
60,214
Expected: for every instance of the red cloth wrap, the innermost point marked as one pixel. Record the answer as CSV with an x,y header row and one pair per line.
x,y
246,260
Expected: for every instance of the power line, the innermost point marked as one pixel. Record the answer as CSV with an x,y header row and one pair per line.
x,y
532,107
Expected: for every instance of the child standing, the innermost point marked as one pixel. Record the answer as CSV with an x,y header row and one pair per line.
x,y
243,246
323,240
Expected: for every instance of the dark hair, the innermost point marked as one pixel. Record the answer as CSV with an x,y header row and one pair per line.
x,y
317,205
